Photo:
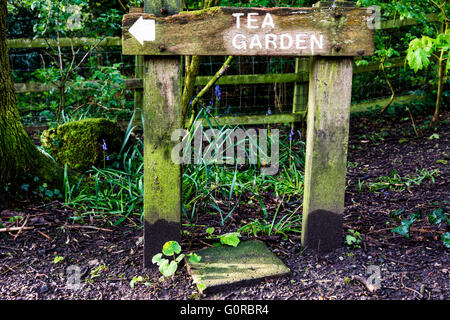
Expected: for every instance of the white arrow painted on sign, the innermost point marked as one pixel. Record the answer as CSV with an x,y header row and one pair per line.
x,y
143,30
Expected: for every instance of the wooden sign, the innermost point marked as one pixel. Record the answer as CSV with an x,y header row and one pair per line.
x,y
337,31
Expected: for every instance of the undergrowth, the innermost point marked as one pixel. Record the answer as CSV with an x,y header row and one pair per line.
x,y
115,193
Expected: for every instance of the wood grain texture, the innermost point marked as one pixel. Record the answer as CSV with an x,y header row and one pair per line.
x,y
326,152
286,32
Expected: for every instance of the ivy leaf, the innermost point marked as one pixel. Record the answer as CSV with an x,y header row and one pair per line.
x,y
210,230
403,228
231,239
437,216
171,247
350,239
445,237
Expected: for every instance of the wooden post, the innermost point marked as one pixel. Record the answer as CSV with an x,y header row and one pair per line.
x,y
326,152
330,89
162,115
300,89
138,94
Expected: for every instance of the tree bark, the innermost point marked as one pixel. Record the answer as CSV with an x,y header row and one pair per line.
x,y
18,155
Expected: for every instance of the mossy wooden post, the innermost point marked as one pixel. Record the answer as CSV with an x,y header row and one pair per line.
x,y
326,151
300,89
162,115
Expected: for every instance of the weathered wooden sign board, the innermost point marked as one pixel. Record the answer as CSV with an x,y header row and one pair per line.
x,y
331,33
251,32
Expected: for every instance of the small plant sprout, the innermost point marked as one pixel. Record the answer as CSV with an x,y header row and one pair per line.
x,y
171,249
353,239
58,259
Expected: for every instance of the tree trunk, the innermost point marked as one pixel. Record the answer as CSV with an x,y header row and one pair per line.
x,y
18,155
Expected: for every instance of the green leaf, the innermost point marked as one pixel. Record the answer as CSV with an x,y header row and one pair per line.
x,y
210,230
179,258
171,247
230,239
403,228
157,258
168,269
419,53
194,258
445,237
437,216
134,280
350,239
201,287
58,259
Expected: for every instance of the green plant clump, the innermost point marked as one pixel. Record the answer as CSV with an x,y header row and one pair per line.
x,y
83,144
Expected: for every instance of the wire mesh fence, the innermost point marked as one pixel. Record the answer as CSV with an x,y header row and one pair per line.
x,y
33,65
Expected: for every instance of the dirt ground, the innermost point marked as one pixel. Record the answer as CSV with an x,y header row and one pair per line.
x,y
109,257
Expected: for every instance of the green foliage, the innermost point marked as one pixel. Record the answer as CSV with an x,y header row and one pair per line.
x,y
115,191
171,249
223,187
404,228
230,239
83,144
438,216
353,239
395,182
445,237
288,223
419,53
58,259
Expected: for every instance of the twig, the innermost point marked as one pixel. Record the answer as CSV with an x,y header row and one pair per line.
x,y
206,244
86,227
21,228
44,235
9,229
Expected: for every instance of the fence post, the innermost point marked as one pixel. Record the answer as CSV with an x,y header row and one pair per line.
x,y
138,74
300,89
162,115
326,151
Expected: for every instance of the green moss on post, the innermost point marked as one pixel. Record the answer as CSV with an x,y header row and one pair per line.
x,y
326,152
162,177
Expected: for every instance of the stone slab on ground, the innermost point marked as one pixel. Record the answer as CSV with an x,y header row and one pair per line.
x,y
250,260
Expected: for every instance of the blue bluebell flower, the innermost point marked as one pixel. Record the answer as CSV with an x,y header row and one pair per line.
x,y
105,148
217,92
291,135
269,112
